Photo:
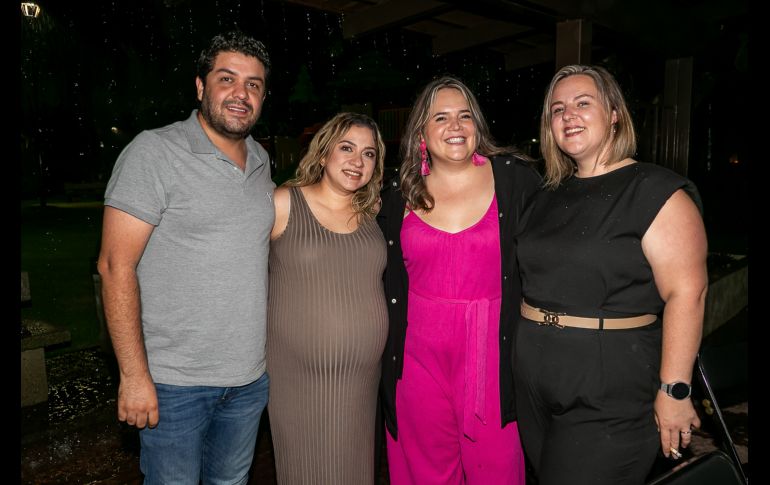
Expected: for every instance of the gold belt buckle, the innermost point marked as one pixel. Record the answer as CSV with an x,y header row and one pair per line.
x,y
550,319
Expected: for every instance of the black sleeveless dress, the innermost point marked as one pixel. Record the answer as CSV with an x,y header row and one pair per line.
x,y
581,252
585,397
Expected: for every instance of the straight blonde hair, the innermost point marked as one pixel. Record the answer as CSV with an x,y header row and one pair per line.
x,y
619,141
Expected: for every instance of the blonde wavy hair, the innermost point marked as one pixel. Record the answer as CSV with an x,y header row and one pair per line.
x,y
366,199
618,145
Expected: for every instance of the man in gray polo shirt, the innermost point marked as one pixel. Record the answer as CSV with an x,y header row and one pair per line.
x,y
187,220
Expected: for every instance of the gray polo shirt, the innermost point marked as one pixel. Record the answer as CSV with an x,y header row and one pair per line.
x,y
203,274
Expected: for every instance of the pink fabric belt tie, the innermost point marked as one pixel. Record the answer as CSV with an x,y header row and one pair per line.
x,y
476,332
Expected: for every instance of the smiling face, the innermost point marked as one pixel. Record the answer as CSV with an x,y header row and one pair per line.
x,y
350,163
450,133
579,122
232,96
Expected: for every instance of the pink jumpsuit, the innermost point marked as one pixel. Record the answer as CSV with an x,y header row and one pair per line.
x,y
448,398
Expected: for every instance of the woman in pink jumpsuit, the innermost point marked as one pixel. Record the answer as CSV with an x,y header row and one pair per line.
x,y
450,271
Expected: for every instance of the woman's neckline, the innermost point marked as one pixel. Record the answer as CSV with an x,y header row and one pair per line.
x,y
491,204
605,174
317,221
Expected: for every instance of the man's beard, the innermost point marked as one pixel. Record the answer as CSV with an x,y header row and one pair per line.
x,y
235,129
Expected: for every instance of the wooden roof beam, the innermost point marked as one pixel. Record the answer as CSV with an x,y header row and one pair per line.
x,y
393,13
479,34
530,57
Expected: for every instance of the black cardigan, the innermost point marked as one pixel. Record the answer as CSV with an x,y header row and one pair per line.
x,y
515,182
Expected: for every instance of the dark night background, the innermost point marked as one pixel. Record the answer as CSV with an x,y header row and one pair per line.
x,y
94,74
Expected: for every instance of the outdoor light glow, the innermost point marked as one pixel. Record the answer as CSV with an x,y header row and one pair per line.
x,y
114,129
30,9
534,140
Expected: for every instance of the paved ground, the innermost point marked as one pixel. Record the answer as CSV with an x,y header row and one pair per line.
x,y
75,437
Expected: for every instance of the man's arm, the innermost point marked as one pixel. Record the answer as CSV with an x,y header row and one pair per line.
x,y
124,238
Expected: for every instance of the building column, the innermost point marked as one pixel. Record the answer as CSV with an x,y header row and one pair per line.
x,y
573,42
675,123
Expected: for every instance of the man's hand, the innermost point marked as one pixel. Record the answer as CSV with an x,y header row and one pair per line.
x,y
138,402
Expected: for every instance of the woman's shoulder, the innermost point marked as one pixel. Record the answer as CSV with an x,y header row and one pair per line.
x,y
657,172
520,169
664,181
391,199
390,190
516,162
390,186
284,190
656,178
282,203
282,195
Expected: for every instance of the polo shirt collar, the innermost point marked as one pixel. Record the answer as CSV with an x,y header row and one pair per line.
x,y
201,143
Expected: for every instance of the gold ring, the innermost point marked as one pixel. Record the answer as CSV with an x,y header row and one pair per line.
x,y
687,431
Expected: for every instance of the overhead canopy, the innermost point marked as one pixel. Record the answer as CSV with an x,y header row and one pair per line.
x,y
525,32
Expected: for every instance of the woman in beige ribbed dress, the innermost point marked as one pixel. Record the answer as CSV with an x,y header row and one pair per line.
x,y
327,321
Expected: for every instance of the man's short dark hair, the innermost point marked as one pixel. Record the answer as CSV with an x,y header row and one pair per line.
x,y
233,41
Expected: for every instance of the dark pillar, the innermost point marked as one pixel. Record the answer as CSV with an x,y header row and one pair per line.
x,y
675,125
573,42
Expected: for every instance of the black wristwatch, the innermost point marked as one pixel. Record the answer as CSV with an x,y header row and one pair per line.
x,y
677,390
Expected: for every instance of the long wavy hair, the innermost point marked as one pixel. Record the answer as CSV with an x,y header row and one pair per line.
x,y
366,199
617,146
413,185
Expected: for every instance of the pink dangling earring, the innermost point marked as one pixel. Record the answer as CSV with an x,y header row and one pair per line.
x,y
424,167
479,159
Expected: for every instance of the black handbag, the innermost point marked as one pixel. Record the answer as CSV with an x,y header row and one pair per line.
x,y
713,468
719,467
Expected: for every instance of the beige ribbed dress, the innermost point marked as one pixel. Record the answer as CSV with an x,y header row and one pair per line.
x,y
327,325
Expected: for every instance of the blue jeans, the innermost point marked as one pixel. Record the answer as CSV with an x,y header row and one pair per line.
x,y
204,434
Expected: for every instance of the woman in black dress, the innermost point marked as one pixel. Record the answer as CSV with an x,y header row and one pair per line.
x,y
613,265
